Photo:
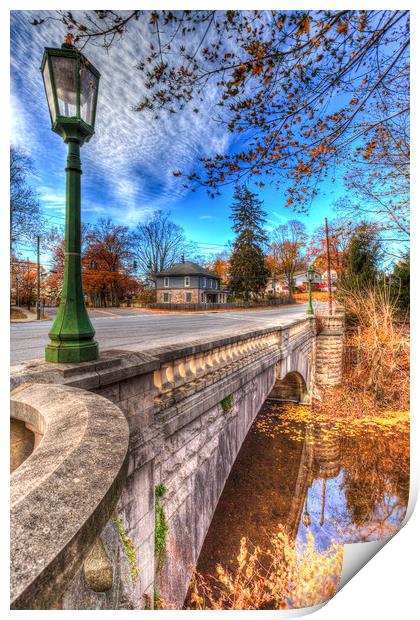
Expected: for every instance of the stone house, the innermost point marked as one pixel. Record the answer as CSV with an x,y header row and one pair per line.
x,y
188,282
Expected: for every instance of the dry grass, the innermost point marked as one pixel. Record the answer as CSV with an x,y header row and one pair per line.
x,y
279,577
377,359
16,314
316,296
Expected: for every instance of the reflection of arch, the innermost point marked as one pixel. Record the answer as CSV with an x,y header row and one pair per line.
x,y
291,388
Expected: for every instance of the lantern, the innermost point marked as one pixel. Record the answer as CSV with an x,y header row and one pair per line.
x,y
71,86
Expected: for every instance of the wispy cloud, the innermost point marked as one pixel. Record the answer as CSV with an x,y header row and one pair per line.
x,y
206,217
131,158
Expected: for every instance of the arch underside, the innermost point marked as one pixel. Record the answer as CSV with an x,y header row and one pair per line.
x,y
291,388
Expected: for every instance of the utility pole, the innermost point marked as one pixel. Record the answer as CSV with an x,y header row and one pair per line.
x,y
17,291
27,283
38,280
327,239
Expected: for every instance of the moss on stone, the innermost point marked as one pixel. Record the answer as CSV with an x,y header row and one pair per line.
x,y
157,600
227,403
129,549
161,528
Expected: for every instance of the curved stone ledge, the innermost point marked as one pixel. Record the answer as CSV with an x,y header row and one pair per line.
x,y
63,495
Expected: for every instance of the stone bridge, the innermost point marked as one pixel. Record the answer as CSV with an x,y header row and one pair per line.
x,y
128,456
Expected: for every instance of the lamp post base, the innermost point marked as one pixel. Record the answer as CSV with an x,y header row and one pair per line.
x,y
71,352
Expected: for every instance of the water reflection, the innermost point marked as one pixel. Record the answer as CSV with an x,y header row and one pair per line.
x,y
358,486
341,481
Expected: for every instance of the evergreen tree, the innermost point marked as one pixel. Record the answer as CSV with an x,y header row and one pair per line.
x,y
248,271
400,282
364,255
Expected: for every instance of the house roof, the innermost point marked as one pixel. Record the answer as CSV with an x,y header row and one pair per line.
x,y
187,268
303,273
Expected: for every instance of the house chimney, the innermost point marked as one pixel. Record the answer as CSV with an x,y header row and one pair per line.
x,y
182,258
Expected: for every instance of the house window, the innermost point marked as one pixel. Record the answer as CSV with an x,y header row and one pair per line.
x,y
187,281
188,297
211,283
166,297
204,282
166,282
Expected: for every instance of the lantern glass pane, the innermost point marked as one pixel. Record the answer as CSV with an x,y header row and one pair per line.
x,y
88,90
48,90
64,70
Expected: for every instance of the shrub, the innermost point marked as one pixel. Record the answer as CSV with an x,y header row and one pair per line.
x,y
147,296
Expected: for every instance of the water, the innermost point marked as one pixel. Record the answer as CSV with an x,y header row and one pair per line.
x,y
338,481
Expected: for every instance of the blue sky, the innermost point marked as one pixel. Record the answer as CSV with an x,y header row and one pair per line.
x,y
128,164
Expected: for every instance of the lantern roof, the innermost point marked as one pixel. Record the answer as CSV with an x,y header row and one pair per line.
x,y
68,51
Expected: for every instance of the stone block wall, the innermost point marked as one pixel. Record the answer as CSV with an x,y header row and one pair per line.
x,y
178,295
194,465
189,448
329,350
120,589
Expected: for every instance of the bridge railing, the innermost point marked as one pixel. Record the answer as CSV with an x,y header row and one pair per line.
x,y
195,368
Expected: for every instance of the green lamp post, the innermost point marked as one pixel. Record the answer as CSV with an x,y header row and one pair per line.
x,y
71,86
310,274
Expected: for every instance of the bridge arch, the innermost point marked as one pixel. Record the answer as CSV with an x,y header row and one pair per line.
x,y
290,388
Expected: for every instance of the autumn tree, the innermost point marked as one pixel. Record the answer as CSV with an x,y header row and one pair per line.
x,y
54,243
159,243
288,244
108,262
305,90
220,265
248,272
25,214
26,273
340,231
380,197
378,183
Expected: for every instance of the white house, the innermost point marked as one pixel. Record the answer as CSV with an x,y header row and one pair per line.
x,y
334,276
278,284
301,278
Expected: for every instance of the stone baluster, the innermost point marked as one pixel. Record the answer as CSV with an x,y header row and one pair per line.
x,y
224,356
200,370
179,372
165,383
191,368
217,360
230,354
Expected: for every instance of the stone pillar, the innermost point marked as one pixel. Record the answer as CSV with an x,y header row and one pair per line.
x,y
329,350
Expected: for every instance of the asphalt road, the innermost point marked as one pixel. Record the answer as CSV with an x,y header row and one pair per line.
x,y
135,330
